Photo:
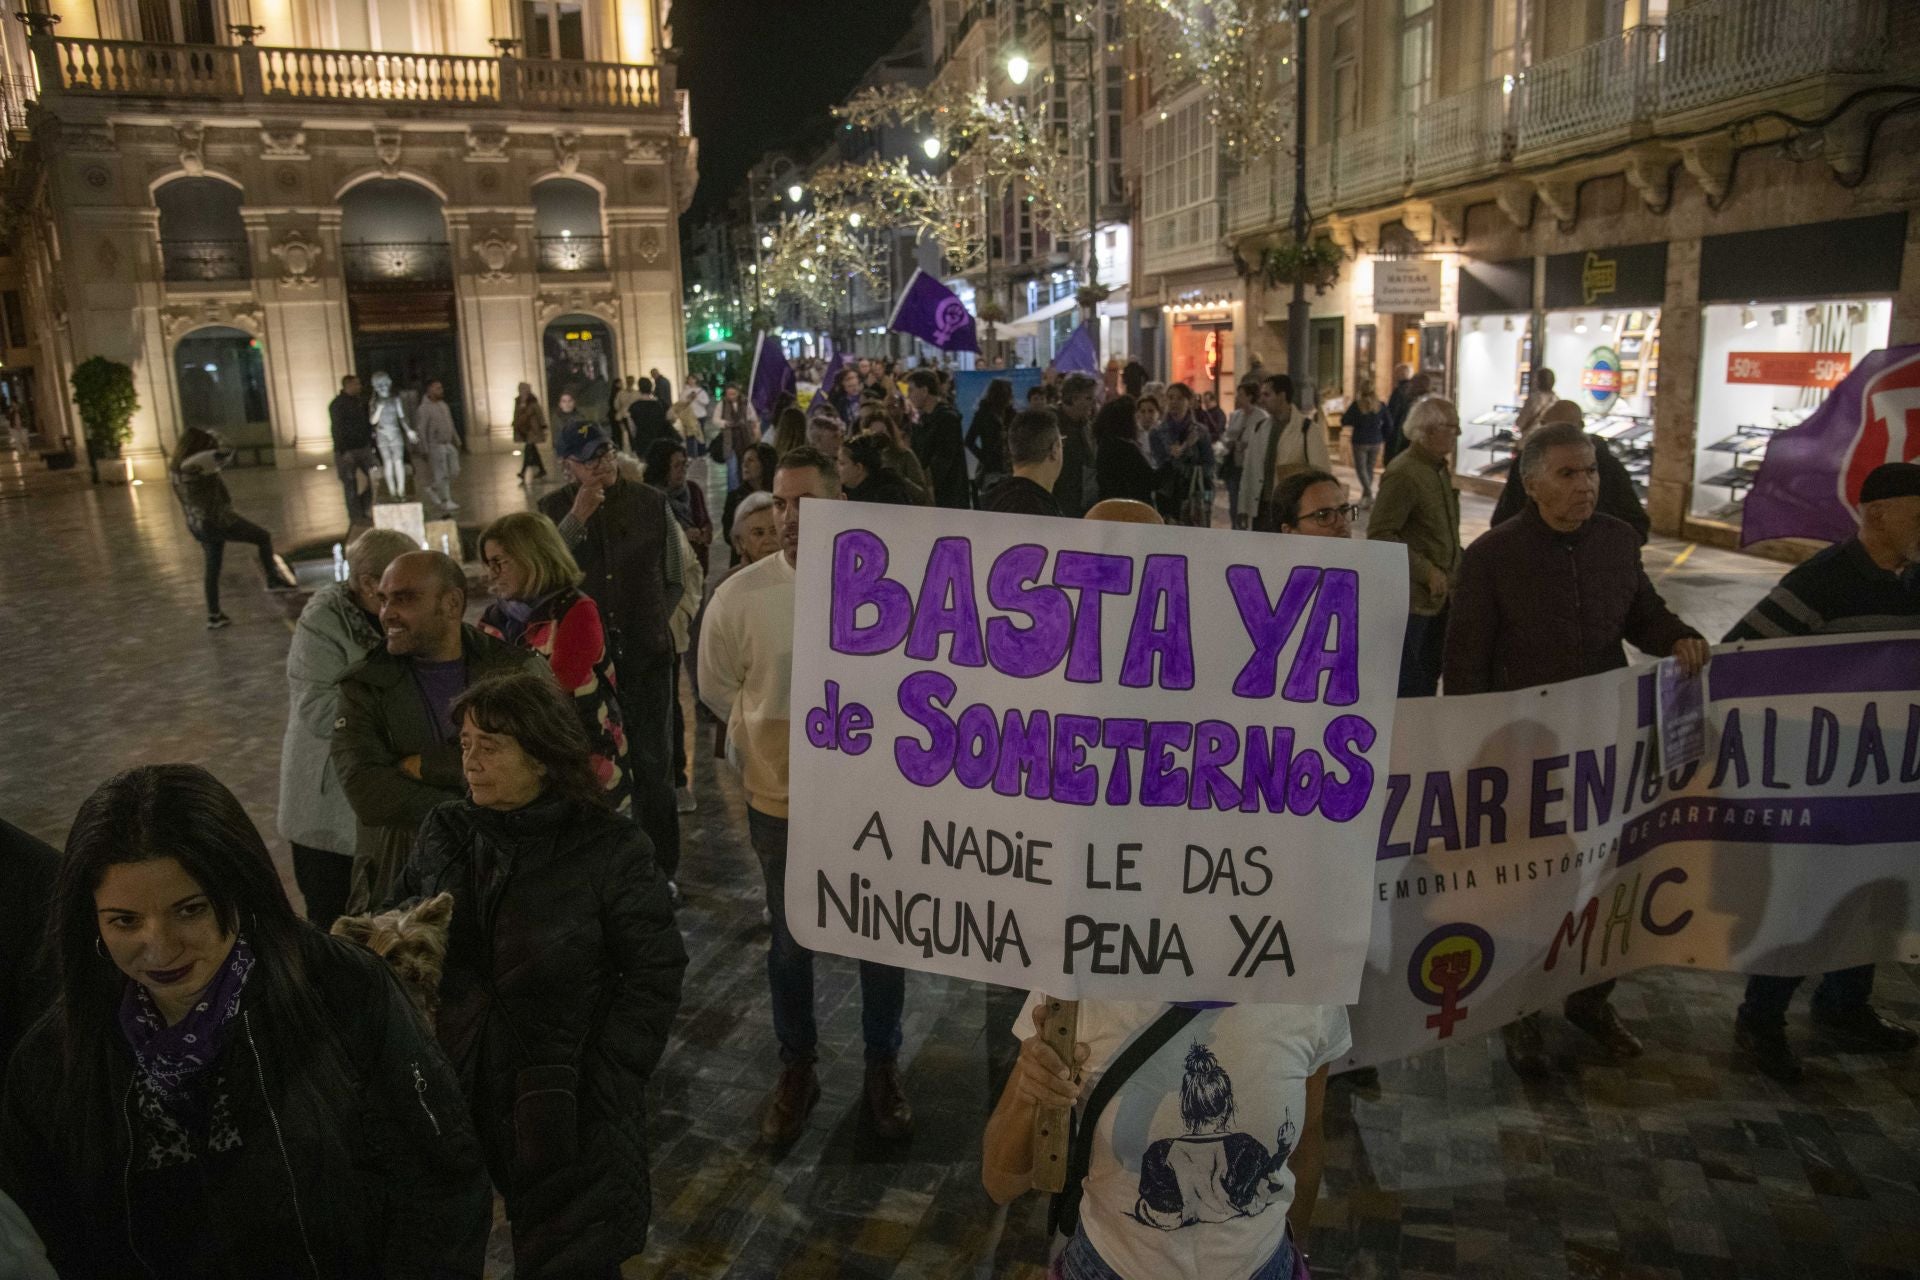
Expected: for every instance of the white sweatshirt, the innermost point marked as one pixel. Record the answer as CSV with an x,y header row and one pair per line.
x,y
746,675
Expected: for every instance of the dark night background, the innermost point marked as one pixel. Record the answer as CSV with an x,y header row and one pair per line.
x,y
760,70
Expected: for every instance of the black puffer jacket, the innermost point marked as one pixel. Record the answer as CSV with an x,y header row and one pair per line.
x,y
563,972
386,1183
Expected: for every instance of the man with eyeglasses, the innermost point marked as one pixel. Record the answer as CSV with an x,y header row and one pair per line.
x,y
1313,503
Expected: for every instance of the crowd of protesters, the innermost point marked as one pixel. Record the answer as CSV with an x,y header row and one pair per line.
x,y
207,1085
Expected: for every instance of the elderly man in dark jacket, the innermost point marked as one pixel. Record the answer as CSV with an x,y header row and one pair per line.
x,y
1549,596
394,744
1618,497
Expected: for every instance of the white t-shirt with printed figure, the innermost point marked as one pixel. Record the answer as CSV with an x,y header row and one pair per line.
x,y
1188,1175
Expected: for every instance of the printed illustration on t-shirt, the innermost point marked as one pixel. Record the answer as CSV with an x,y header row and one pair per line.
x,y
1210,1174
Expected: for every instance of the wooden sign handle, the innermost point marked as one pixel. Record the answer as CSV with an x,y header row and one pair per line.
x,y
1061,1030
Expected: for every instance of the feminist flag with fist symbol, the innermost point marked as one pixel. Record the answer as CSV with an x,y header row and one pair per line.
x,y
931,312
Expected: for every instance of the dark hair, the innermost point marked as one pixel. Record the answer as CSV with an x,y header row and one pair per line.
x,y
346,378
806,456
1032,436
660,459
1077,385
1288,493
1182,388
177,811
998,399
870,451
644,386
1039,391
1115,421
1282,383
1145,400
530,709
925,379
1133,376
768,461
193,440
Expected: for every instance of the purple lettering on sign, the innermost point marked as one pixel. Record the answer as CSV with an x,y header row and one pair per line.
x,y
1163,587
1074,780
1268,626
1095,575
1336,608
1216,743
947,607
1163,783
1124,737
923,696
860,578
1024,652
1347,738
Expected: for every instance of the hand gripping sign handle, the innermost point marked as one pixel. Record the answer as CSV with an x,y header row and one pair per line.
x,y
1060,1030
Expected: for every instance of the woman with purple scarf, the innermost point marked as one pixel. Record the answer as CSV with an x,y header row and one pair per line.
x,y
221,1090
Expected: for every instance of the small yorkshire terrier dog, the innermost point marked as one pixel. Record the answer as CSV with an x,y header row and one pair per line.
x,y
413,942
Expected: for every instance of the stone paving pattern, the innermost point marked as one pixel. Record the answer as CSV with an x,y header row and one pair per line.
x,y
1683,1164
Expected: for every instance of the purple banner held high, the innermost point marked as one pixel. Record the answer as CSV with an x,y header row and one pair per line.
x,y
1809,482
1078,354
934,313
771,375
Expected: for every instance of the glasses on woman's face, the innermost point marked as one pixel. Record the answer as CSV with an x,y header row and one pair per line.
x,y
1327,517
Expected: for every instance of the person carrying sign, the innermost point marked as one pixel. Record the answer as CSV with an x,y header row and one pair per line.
x,y
1546,597
1864,584
746,671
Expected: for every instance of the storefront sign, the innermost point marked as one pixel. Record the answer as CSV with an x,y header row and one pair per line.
x,y
1539,842
1789,368
1406,285
1211,315
1494,288
1852,258
1600,377
1102,760
1213,354
1630,275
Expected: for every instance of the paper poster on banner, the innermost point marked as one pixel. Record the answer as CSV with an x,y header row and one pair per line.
x,y
1531,847
1682,706
1100,760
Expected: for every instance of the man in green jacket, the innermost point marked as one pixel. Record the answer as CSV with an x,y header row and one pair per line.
x,y
395,746
1418,505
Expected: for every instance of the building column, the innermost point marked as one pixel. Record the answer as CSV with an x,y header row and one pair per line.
x,y
1676,414
1905,327
305,331
646,284
110,274
495,294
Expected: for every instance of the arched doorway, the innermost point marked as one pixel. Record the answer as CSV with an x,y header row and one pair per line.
x,y
221,379
398,265
579,355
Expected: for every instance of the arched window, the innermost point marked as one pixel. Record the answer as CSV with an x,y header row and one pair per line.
x,y
222,381
393,233
567,232
202,236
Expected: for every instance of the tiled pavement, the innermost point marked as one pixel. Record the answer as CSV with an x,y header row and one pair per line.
x,y
1683,1164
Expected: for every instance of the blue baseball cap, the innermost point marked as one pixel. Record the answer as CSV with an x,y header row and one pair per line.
x,y
581,441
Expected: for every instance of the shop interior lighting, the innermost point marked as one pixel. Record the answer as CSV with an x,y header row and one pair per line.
x,y
1606,321
1580,325
1508,326
1476,324
1779,317
1747,320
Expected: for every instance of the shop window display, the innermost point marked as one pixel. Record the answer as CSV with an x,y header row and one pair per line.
x,y
1763,368
1496,362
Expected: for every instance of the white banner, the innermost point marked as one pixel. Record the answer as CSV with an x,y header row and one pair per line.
x,y
1101,760
1532,845
1406,286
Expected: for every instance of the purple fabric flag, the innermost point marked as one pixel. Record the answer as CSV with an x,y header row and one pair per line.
x,y
1809,482
829,380
1077,354
771,375
931,312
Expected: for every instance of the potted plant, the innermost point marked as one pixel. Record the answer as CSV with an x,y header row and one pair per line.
x,y
1091,295
990,312
1315,263
104,397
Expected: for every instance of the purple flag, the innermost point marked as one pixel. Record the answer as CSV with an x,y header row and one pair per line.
x,y
771,375
931,312
1809,482
828,380
1078,354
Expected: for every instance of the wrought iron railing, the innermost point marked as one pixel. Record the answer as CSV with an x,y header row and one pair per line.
x,y
189,260
1720,49
1371,162
570,253
1463,133
1598,88
395,264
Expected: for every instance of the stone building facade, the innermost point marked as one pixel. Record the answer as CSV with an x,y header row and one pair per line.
x,y
246,223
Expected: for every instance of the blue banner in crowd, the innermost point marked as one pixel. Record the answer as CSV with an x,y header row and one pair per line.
x,y
933,313
971,384
771,375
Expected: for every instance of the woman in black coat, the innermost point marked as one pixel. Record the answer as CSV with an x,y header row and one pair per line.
x,y
562,976
1120,469
868,478
987,433
221,1090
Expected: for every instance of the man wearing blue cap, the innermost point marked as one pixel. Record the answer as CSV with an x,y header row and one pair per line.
x,y
622,533
1871,582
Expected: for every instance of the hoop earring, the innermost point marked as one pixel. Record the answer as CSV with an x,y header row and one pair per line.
x,y
100,946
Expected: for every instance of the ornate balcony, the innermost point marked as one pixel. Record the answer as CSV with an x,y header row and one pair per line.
x,y
1721,49
1605,87
187,261
570,253
1464,134
397,265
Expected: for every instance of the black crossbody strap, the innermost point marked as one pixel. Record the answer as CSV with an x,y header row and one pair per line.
x,y
1064,1214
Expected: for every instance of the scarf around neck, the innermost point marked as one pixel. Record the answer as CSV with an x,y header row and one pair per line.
x,y
171,1057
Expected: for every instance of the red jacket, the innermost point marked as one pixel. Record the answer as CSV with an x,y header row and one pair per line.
x,y
1534,607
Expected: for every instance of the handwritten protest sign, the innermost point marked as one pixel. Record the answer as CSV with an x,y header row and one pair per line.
x,y
1101,760
1536,843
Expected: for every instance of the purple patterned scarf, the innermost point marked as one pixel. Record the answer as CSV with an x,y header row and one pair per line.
x,y
171,1056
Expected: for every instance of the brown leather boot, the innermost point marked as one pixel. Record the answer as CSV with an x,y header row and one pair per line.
x,y
886,1101
791,1104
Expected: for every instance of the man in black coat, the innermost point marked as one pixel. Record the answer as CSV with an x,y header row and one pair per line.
x,y
1618,497
647,420
1076,489
1033,445
353,456
27,869
938,441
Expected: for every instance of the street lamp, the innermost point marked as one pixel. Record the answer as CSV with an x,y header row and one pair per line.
x,y
854,220
931,145
1018,67
796,192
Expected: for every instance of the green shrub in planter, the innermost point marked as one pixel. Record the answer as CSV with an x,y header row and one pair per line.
x,y
103,395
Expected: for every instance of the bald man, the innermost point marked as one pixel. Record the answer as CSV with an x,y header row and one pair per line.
x,y
395,745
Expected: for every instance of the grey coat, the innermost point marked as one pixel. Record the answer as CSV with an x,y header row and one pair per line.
x,y
333,634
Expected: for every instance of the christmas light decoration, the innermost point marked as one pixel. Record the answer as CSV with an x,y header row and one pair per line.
x,y
1238,50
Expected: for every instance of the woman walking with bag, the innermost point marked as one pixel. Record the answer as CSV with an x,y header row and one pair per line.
x,y
211,519
562,977
530,429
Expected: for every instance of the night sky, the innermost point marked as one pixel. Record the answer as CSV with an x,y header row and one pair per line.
x,y
760,70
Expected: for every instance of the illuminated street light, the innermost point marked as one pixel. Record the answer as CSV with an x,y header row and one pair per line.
x,y
854,219
766,242
1018,67
931,146
796,191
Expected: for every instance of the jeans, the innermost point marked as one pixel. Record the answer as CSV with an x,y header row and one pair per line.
x,y
647,694
324,877
213,549
1421,654
883,988
1839,991
1365,458
351,465
1081,1261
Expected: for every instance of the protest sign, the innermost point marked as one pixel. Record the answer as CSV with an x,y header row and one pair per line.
x,y
1534,844
1102,760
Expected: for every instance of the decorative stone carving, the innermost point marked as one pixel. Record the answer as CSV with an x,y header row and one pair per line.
x,y
487,144
97,138
283,142
488,180
642,149
180,319
495,252
1450,220
597,302
1710,161
96,176
286,179
1649,171
1516,201
648,245
298,257
1561,198
566,150
191,136
386,149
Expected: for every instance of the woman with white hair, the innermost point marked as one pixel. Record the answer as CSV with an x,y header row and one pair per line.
x,y
1418,506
